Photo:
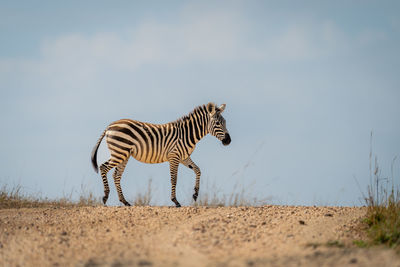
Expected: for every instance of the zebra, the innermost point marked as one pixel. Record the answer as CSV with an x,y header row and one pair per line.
x,y
156,143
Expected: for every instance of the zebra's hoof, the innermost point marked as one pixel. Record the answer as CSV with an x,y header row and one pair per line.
x,y
176,202
105,200
126,203
195,197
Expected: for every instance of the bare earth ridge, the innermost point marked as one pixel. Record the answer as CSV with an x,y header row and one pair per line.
x,y
188,236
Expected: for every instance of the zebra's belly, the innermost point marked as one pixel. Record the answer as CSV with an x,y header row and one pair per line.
x,y
148,158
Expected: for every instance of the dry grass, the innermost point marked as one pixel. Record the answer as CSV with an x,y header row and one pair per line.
x,y
384,222
383,215
210,196
145,198
15,198
213,197
383,201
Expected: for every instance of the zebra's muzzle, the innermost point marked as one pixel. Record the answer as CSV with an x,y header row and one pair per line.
x,y
227,140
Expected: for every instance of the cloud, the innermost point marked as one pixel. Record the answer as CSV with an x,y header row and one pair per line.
x,y
75,67
81,68
209,36
204,36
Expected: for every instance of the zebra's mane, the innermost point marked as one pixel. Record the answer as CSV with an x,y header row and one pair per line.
x,y
186,117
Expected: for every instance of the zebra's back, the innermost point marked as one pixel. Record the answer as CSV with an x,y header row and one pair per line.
x,y
146,142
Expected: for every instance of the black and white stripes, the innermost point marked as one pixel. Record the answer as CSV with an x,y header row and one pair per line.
x,y
155,143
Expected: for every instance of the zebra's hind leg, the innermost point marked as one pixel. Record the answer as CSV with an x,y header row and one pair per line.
x,y
104,169
191,165
117,179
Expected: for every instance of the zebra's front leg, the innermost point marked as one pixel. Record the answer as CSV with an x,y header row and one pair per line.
x,y
191,165
173,167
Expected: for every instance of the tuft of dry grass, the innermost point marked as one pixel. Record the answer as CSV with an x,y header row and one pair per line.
x,y
384,222
383,215
145,198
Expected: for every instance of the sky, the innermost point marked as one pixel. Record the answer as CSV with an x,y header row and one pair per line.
x,y
304,83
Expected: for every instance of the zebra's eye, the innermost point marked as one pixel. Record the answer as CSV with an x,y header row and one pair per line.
x,y
218,123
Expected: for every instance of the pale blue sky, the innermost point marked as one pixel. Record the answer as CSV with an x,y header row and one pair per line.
x,y
305,82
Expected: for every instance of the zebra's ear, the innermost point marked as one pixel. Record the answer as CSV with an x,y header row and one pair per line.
x,y
221,108
211,108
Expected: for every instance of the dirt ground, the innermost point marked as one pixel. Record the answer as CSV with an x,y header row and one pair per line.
x,y
188,236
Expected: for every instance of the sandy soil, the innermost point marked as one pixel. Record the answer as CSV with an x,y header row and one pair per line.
x,y
188,236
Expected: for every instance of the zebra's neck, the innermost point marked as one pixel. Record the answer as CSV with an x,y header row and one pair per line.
x,y
195,124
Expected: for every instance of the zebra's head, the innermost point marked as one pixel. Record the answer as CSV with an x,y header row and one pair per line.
x,y
217,124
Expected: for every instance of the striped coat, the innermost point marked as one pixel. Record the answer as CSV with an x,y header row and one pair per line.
x,y
155,143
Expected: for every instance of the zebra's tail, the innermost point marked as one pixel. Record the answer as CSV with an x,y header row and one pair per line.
x,y
94,152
